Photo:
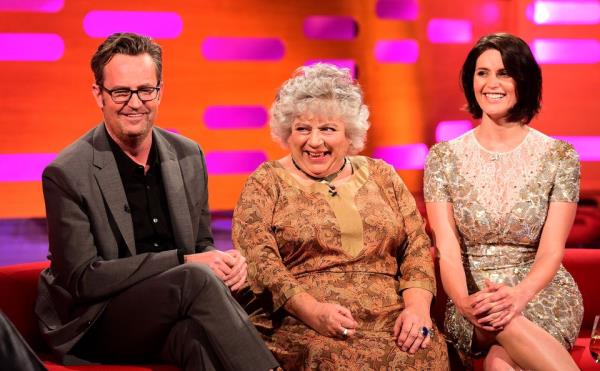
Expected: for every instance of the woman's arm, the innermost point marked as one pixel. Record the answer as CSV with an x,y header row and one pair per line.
x,y
547,261
452,272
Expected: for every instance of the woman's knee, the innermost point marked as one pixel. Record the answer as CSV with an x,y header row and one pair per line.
x,y
516,327
498,360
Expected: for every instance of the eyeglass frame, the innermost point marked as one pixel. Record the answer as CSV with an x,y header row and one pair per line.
x,y
131,92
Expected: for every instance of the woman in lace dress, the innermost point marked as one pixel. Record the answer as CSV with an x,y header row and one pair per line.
x,y
501,200
337,253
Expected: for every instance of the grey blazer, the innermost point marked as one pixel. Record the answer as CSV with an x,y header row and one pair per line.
x,y
92,248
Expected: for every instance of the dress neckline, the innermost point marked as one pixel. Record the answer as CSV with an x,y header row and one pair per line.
x,y
500,153
355,181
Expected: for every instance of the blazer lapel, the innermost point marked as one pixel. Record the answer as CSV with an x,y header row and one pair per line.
x,y
176,194
109,180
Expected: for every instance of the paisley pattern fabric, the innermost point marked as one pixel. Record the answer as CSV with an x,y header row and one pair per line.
x,y
359,248
500,202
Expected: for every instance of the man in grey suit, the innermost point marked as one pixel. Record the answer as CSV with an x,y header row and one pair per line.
x,y
134,276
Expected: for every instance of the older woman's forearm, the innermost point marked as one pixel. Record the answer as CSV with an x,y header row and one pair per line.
x,y
417,297
301,305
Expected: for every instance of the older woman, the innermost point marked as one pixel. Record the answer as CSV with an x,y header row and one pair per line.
x,y
337,252
501,200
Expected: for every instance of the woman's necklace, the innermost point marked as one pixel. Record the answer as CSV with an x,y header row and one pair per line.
x,y
326,179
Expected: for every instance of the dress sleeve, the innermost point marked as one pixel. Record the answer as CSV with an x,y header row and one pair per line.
x,y
253,237
566,180
415,261
435,183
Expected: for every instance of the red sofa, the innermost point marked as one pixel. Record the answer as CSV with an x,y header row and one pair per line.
x,y
18,290
18,286
584,266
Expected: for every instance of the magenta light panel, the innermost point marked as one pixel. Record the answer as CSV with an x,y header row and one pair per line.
x,y
449,31
330,27
401,10
242,49
24,167
31,47
397,51
39,6
234,162
584,12
159,25
566,51
448,130
403,157
235,117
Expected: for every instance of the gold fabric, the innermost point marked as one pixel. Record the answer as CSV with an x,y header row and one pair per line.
x,y
500,203
359,249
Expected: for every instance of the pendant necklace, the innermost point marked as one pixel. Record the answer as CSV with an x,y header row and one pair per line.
x,y
326,179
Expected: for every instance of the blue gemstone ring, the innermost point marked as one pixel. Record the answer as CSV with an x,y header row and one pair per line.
x,y
425,331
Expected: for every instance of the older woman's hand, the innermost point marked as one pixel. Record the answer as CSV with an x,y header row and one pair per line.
x,y
332,320
327,319
407,329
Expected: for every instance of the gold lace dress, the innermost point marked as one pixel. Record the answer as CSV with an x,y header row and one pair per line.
x,y
500,203
359,248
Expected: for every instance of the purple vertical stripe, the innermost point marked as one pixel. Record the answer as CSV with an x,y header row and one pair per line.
x,y
588,148
242,48
403,10
342,63
30,47
404,157
234,162
24,167
449,31
160,25
566,51
330,27
397,51
564,12
448,130
42,6
235,117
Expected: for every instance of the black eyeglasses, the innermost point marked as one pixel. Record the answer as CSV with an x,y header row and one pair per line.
x,y
121,95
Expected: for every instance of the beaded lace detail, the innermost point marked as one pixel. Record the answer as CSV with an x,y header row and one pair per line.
x,y
499,176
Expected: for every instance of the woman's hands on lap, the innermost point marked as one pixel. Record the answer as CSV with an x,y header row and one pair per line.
x,y
501,306
471,308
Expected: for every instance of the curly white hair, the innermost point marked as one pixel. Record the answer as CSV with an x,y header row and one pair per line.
x,y
322,90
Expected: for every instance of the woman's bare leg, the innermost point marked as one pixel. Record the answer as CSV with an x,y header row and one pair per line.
x,y
532,348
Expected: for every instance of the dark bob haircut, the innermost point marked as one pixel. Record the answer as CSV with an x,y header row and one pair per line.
x,y
519,64
129,44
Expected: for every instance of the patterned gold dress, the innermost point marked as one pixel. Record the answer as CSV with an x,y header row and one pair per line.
x,y
359,248
500,202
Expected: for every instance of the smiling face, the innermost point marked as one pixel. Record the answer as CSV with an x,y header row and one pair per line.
x,y
494,89
129,122
318,145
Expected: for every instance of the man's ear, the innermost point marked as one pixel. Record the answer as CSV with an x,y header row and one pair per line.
x,y
97,93
160,92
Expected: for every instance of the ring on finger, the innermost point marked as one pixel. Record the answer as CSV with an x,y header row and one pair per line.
x,y
426,331
344,332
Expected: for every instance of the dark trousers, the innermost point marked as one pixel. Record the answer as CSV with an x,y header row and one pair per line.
x,y
185,316
15,354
